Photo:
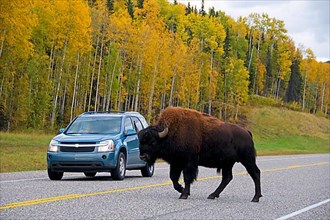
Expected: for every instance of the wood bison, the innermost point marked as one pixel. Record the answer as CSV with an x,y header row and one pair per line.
x,y
186,138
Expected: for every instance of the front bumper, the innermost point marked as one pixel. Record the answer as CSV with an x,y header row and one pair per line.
x,y
81,162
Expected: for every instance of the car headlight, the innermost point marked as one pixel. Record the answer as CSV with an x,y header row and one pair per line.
x,y
106,146
53,146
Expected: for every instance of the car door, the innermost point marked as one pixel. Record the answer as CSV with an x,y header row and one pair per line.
x,y
138,126
132,143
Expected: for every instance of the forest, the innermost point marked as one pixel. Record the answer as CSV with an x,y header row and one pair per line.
x,y
61,58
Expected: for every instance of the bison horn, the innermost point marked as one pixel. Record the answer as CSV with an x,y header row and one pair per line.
x,y
163,133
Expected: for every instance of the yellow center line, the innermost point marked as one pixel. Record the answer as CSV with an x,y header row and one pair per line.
x,y
75,196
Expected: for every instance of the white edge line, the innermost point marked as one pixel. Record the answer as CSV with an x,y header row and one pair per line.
x,y
46,178
21,180
262,159
32,179
303,210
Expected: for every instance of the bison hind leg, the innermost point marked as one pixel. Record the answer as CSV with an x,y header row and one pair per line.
x,y
227,176
254,172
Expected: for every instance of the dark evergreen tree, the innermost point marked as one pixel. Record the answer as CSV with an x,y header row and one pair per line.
x,y
227,45
195,11
269,72
294,91
110,4
212,12
130,8
202,11
140,3
188,9
3,119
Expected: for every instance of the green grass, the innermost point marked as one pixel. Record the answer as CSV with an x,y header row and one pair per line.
x,y
23,152
292,145
282,131
276,131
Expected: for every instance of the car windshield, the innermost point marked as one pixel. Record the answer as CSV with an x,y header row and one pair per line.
x,y
95,125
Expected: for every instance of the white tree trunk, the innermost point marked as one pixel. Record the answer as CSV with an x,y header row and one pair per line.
x,y
138,87
51,61
172,88
92,77
74,88
87,77
111,83
322,96
58,84
210,85
98,75
2,42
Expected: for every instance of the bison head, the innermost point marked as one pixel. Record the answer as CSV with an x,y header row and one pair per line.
x,y
151,139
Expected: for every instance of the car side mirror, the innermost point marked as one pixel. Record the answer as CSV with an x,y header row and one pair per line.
x,y
130,132
61,130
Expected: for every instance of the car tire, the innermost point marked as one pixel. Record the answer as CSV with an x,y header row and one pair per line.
x,y
119,172
148,170
54,175
90,174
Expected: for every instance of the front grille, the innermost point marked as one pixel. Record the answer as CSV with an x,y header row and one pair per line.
x,y
77,149
77,146
78,164
79,143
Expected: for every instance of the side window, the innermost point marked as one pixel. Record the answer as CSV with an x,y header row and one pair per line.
x,y
137,123
128,124
144,122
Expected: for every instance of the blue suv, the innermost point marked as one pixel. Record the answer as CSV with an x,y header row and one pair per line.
x,y
98,142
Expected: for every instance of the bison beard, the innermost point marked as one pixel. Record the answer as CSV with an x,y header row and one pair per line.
x,y
186,139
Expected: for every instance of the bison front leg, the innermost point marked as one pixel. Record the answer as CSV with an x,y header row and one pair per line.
x,y
175,172
190,173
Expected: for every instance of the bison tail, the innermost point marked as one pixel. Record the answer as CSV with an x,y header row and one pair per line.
x,y
255,152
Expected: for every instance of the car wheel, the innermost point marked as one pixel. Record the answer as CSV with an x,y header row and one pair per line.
x,y
54,175
148,170
90,174
119,172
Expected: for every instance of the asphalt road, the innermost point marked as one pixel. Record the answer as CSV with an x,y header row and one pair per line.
x,y
294,187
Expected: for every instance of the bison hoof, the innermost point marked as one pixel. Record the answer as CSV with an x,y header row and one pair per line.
x,y
256,198
212,196
179,189
183,196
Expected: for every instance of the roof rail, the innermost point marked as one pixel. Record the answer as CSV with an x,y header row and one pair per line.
x,y
95,112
